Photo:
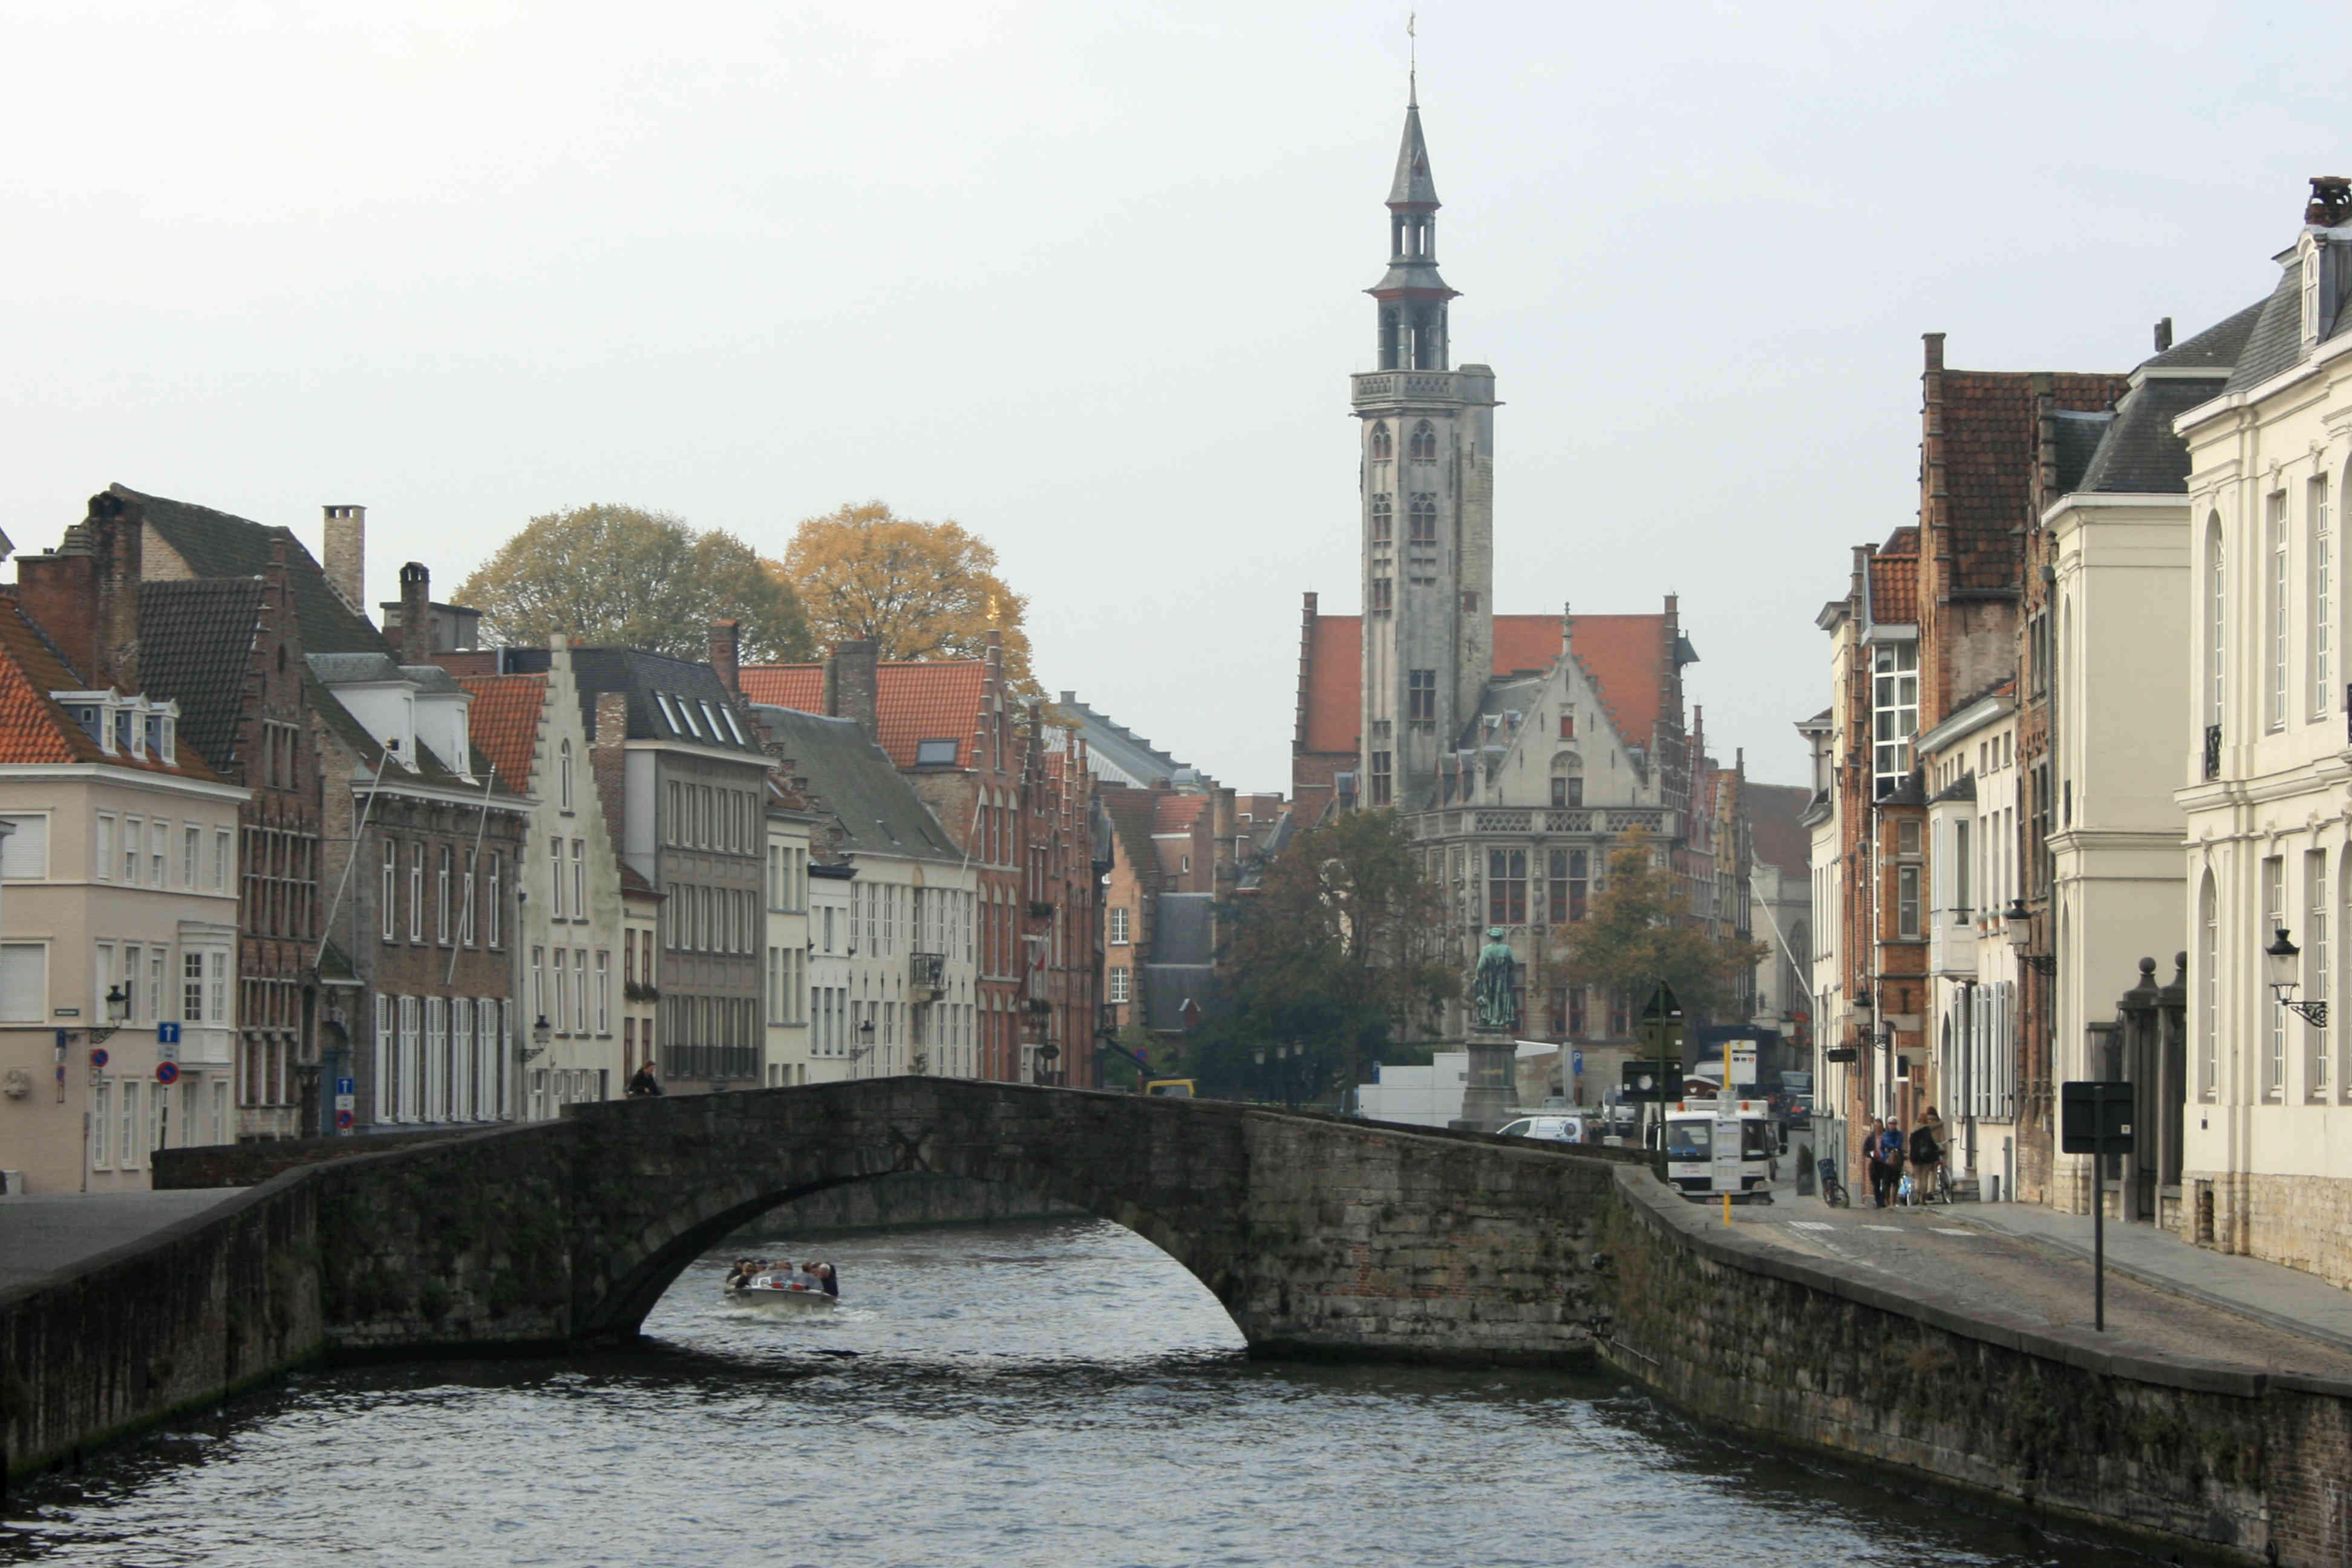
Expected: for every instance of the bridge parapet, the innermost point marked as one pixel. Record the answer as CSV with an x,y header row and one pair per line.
x,y
1319,1236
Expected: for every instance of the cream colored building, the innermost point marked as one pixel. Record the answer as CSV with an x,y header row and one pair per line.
x,y
1972,782
117,934
784,981
2267,1156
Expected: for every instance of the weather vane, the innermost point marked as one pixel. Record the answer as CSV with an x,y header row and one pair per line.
x,y
1412,59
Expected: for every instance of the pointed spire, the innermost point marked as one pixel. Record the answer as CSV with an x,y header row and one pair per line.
x,y
1413,187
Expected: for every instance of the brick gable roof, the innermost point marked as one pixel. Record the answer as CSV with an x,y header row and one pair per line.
x,y
35,728
503,720
914,701
1177,813
1990,435
1895,580
1625,655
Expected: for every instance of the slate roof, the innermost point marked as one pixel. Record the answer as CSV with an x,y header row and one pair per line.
x,y
503,720
1625,655
640,676
2217,347
914,700
2077,437
219,544
195,647
1774,826
2140,455
1184,931
1116,752
1413,186
2276,340
35,728
852,783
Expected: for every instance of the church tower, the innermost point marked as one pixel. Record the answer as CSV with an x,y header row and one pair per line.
x,y
1428,488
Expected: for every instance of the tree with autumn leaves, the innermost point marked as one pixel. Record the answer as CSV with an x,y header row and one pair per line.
x,y
915,589
623,575
1638,933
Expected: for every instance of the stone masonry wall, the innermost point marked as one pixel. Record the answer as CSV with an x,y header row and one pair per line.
x,y
1742,1334
176,1320
2303,1222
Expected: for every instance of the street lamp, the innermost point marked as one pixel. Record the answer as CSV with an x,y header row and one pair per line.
x,y
540,1033
2020,937
865,1044
2281,959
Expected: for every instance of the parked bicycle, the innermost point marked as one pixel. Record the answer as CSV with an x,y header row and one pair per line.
x,y
1833,1191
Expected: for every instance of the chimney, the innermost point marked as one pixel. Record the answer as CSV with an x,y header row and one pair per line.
x,y
612,718
344,554
414,638
851,680
58,592
121,536
2164,334
726,653
2331,201
608,760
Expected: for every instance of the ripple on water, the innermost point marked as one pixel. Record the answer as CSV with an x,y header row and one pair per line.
x,y
1035,1394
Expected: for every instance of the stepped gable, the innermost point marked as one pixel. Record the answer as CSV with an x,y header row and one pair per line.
x,y
211,543
504,721
195,647
1131,813
36,728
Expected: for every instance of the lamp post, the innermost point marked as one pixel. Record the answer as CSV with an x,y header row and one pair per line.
x,y
2281,959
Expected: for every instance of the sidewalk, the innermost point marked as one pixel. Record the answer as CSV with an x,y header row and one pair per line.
x,y
49,1231
2284,1298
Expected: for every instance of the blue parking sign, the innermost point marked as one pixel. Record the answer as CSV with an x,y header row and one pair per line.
x,y
1578,1058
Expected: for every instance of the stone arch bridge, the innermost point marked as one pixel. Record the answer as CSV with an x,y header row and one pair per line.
x,y
1320,1236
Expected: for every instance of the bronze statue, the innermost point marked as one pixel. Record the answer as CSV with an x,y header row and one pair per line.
x,y
1497,998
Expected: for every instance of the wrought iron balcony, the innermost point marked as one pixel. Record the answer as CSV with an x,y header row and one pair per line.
x,y
2212,750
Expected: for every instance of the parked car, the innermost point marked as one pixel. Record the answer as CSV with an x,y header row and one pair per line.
x,y
1546,1129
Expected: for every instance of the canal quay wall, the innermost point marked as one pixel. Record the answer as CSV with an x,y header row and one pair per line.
x,y
2250,1466
178,1320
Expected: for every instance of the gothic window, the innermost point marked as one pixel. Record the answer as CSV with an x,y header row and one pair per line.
x,y
1383,443
1381,778
1425,519
1383,519
1569,885
1382,595
1421,694
1507,887
1424,442
1567,790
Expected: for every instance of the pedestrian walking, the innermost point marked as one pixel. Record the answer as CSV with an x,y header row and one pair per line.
x,y
1887,1162
1871,1141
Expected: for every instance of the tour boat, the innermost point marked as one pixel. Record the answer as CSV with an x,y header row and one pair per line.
x,y
778,1289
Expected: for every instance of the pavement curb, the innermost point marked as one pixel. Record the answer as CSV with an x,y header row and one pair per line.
x,y
2175,1288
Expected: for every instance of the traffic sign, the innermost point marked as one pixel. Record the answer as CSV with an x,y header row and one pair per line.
x,y
342,1121
347,1085
167,1072
167,1034
98,1056
1577,1058
347,1101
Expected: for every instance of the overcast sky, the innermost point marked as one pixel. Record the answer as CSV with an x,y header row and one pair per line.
x,y
1087,277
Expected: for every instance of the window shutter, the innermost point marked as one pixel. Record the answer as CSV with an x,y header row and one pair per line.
x,y
23,972
25,854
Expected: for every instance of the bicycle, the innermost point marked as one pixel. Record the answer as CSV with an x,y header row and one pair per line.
x,y
1833,1191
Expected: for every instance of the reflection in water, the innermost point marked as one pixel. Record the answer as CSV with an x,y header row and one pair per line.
x,y
1023,1395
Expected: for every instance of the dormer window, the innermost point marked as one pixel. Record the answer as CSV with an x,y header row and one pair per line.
x,y
693,724
2321,264
92,719
125,730
935,753
669,713
732,727
154,739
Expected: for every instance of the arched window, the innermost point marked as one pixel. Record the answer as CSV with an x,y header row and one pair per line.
x,y
1383,443
1384,519
1424,442
1425,519
2208,989
564,775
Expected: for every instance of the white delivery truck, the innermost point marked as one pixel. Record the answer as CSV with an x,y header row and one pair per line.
x,y
1721,1145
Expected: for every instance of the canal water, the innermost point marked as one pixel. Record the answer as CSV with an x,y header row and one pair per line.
x,y
1045,1393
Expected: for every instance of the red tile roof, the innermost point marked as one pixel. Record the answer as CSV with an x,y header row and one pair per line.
x,y
33,728
1989,426
1177,813
1626,655
504,722
928,699
1894,590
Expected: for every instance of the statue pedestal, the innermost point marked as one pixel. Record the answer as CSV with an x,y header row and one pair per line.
x,y
1490,1091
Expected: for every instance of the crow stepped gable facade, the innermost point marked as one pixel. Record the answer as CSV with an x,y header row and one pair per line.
x,y
1518,746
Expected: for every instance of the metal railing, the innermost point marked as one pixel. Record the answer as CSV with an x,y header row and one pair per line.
x,y
2212,750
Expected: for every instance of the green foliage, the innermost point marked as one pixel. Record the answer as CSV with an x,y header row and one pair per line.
x,y
623,576
1639,931
1329,957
